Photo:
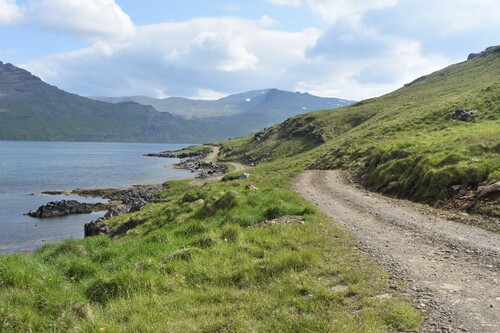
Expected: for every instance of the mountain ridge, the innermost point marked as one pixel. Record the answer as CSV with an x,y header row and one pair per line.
x,y
229,105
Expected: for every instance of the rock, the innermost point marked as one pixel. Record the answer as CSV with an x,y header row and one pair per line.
x,y
189,197
226,201
488,49
465,115
66,207
94,193
457,191
183,153
124,201
204,169
116,210
491,191
245,176
95,228
251,187
122,229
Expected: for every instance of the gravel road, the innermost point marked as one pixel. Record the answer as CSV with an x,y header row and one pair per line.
x,y
212,158
453,269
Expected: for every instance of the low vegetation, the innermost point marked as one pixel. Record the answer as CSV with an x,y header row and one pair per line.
x,y
207,261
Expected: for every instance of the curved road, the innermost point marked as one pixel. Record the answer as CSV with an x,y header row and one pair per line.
x,y
453,269
212,158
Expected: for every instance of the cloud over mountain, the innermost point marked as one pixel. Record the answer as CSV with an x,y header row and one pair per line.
x,y
354,49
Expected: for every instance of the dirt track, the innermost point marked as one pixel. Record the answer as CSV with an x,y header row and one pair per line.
x,y
453,269
212,158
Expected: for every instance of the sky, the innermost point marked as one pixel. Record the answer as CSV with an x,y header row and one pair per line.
x,y
351,49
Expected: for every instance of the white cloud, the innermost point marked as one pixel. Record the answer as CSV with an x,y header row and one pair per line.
x,y
369,47
445,17
208,94
90,19
350,10
292,3
200,57
10,13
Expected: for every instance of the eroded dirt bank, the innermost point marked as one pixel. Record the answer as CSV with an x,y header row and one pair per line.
x,y
453,269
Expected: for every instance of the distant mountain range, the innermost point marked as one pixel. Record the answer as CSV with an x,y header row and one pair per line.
x,y
279,101
31,109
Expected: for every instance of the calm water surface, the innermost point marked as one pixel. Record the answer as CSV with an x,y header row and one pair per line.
x,y
28,168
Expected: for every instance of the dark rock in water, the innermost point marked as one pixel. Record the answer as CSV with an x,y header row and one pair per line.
x,y
137,196
94,193
465,115
66,207
182,153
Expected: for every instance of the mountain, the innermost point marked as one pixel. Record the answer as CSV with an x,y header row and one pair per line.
x,y
256,101
31,109
429,140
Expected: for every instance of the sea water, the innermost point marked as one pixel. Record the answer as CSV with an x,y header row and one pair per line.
x,y
29,168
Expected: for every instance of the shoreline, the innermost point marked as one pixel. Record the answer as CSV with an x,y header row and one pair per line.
x,y
129,199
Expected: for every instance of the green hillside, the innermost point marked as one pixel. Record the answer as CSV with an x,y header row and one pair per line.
x,y
407,142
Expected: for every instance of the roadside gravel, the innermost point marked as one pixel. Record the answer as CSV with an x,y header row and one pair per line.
x,y
453,269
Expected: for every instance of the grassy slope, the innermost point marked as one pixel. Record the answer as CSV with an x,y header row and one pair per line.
x,y
405,142
199,263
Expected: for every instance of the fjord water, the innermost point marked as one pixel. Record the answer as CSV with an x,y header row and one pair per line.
x,y
28,168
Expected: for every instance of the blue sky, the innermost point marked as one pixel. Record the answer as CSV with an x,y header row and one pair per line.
x,y
351,49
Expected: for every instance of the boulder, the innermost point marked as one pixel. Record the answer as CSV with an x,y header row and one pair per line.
x,y
489,192
465,115
245,176
252,187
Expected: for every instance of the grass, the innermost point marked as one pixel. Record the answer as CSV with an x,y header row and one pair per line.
x,y
199,263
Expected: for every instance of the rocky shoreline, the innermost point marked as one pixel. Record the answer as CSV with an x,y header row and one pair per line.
x,y
123,201
193,160
67,207
183,153
204,169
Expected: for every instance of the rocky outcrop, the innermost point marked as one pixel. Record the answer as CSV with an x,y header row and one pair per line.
x,y
488,49
465,115
123,202
67,207
204,169
183,153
